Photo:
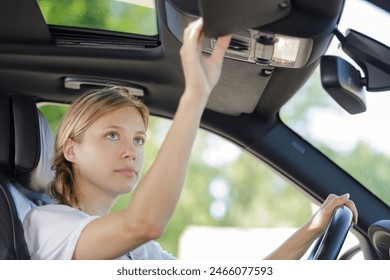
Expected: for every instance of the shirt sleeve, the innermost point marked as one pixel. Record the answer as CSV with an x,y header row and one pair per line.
x,y
52,231
155,252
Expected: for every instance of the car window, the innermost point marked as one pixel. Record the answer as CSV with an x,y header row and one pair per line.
x,y
227,191
128,16
358,143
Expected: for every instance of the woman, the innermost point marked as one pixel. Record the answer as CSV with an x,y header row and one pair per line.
x,y
99,156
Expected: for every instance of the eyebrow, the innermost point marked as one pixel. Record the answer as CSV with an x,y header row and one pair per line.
x,y
120,127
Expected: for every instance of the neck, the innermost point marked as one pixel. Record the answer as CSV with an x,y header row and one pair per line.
x,y
93,201
95,208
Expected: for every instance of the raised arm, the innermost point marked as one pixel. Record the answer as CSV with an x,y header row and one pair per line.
x,y
156,196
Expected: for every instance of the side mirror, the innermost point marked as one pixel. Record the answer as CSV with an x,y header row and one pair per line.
x,y
344,83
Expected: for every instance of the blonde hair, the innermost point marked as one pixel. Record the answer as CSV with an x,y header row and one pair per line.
x,y
83,112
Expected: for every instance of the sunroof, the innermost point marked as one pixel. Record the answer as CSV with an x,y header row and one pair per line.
x,y
129,16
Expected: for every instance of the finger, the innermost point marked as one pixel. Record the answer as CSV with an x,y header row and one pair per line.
x,y
338,200
351,205
220,47
329,199
341,200
191,38
344,200
194,30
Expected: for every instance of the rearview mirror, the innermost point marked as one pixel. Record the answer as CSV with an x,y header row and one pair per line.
x,y
240,15
344,84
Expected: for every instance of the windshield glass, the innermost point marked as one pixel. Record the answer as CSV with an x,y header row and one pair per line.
x,y
129,16
358,143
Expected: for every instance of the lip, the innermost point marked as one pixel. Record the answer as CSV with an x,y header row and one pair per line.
x,y
127,171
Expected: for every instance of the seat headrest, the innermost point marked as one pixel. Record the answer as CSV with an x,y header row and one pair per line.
x,y
5,138
33,145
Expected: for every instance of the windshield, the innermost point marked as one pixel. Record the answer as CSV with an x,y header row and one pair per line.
x,y
358,143
128,16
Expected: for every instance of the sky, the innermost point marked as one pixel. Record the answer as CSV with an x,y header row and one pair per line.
x,y
144,3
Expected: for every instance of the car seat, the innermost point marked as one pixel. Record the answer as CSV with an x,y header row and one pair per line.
x,y
33,150
12,243
25,170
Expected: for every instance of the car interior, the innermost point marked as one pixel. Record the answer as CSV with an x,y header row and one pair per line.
x,y
276,46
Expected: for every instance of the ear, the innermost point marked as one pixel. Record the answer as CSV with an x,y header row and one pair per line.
x,y
69,150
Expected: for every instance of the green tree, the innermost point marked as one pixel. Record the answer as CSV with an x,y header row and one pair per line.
x,y
367,165
101,14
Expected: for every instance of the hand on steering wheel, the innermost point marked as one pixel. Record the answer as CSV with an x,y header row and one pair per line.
x,y
329,244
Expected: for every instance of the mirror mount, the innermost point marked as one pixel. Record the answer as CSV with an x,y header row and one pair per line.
x,y
372,56
344,82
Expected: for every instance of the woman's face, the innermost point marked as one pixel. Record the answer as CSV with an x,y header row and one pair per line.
x,y
110,155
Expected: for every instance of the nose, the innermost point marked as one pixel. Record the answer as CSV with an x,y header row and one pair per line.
x,y
130,152
131,156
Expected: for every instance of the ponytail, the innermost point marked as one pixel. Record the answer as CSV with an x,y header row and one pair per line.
x,y
62,188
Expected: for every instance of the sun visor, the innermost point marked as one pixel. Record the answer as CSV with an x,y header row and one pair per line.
x,y
223,17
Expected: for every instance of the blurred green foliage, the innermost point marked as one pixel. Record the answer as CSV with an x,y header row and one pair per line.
x,y
101,14
53,113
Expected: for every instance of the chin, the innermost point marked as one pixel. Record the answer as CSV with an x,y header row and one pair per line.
x,y
127,189
124,187
120,189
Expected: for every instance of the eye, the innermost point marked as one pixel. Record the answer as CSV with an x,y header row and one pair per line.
x,y
139,140
112,135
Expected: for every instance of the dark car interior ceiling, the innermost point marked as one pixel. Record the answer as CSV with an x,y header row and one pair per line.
x,y
36,56
40,65
312,24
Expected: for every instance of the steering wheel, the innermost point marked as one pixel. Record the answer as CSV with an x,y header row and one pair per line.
x,y
329,244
